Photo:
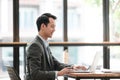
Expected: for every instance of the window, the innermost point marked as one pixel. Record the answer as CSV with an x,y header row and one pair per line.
x,y
6,35
114,33
85,24
27,17
27,20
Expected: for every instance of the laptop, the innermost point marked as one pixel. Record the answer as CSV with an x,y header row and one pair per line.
x,y
93,66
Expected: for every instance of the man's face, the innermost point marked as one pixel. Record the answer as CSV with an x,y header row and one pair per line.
x,y
50,28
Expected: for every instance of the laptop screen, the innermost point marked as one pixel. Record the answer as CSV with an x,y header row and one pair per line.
x,y
95,62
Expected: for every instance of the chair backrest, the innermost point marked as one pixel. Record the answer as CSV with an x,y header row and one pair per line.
x,y
12,73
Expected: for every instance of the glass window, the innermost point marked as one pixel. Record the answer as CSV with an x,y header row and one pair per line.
x,y
85,24
28,16
114,33
6,20
6,35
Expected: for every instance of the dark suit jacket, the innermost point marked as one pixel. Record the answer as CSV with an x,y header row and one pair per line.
x,y
38,65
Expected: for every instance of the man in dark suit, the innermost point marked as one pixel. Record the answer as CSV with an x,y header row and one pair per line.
x,y
41,64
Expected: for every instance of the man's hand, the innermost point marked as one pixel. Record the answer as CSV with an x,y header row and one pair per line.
x,y
79,67
67,70
64,71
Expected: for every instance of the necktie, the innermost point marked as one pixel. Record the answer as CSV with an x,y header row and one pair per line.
x,y
48,49
49,55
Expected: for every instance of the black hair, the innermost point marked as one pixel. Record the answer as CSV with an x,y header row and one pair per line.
x,y
44,18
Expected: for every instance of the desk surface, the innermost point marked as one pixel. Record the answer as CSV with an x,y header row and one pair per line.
x,y
93,75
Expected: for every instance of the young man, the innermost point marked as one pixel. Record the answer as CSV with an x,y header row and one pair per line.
x,y
41,64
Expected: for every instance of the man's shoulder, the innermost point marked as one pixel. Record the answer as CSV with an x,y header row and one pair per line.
x,y
36,40
35,43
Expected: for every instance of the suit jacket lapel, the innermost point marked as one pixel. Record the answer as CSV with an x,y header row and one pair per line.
x,y
50,56
47,55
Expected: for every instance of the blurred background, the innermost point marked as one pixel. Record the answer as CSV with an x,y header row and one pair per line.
x,y
84,24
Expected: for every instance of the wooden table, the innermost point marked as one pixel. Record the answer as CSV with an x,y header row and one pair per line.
x,y
98,75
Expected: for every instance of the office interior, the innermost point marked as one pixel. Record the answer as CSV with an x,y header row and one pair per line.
x,y
89,21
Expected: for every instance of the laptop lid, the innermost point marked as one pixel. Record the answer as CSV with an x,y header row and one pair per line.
x,y
95,62
93,66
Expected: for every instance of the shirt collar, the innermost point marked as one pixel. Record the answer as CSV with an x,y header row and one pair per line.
x,y
44,41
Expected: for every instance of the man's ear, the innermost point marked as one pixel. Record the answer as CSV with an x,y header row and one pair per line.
x,y
42,25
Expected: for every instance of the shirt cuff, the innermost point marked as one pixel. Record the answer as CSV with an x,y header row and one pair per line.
x,y
56,74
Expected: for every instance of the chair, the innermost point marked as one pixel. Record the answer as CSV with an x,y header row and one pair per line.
x,y
12,73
